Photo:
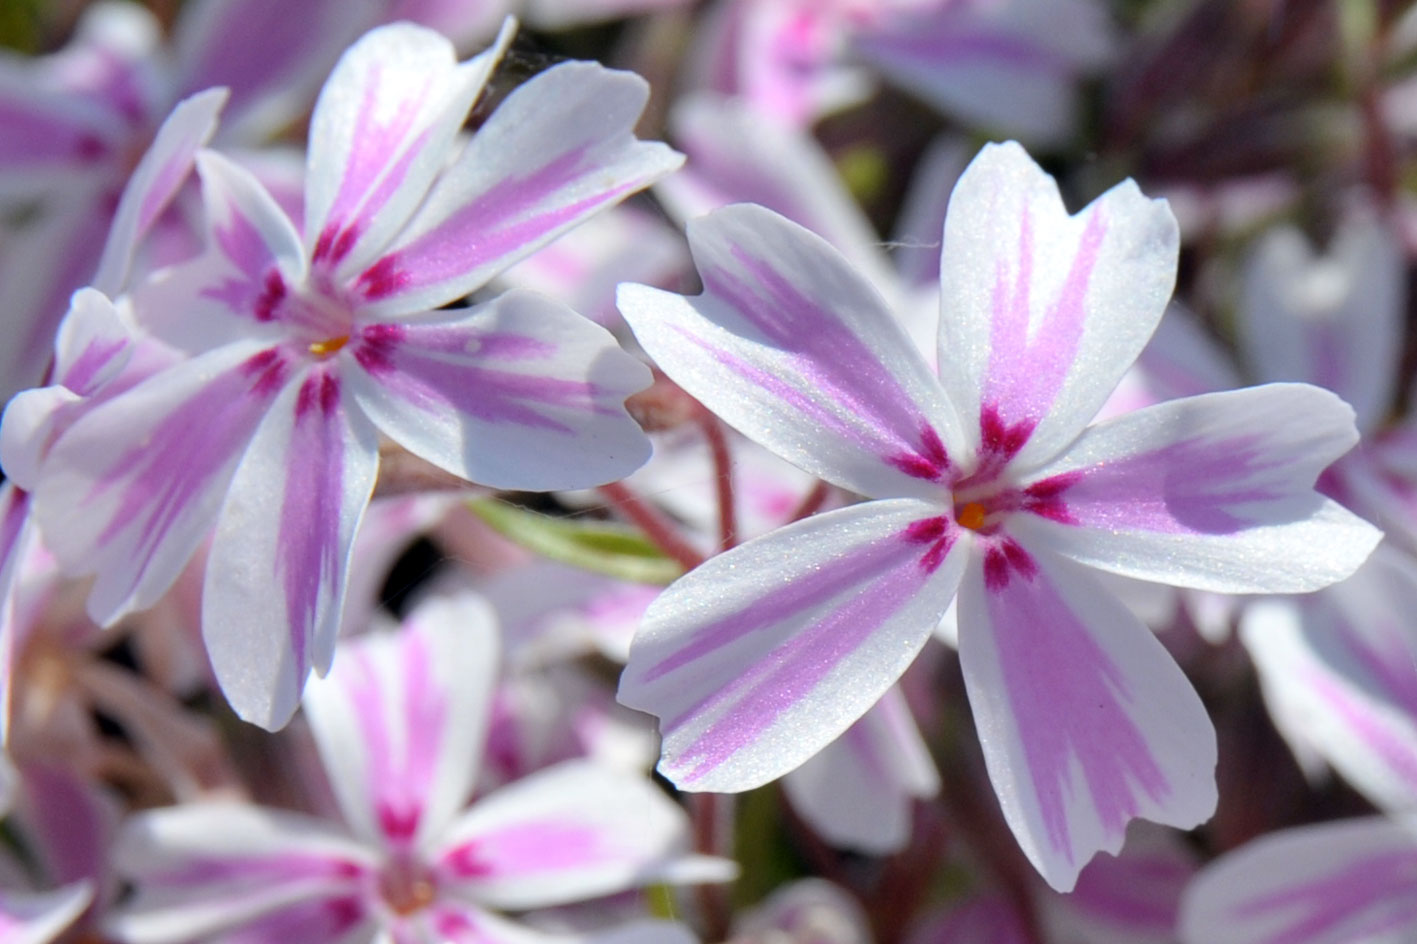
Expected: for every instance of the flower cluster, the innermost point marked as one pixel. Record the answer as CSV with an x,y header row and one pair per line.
x,y
404,452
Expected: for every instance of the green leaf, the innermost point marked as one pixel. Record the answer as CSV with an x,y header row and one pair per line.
x,y
598,546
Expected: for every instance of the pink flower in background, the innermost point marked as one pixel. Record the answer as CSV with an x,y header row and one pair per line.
x,y
1330,883
304,350
400,722
988,481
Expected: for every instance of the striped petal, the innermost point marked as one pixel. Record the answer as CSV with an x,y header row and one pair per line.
x,y
275,577
567,833
765,654
1085,720
400,720
132,488
41,917
520,392
858,792
452,922
1334,883
160,173
1043,312
1213,492
207,870
1338,674
798,352
381,132
560,148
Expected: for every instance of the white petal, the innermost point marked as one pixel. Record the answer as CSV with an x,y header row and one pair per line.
x,y
570,832
133,487
1042,312
1333,883
1213,492
400,720
381,132
798,352
41,917
1085,720
1338,674
520,392
1334,320
858,792
275,577
765,654
561,147
201,869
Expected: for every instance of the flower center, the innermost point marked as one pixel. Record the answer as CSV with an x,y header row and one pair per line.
x,y
971,515
406,888
328,346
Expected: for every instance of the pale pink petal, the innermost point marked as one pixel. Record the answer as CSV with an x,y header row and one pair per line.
x,y
799,353
520,392
1085,720
1004,66
858,792
245,285
1335,320
132,488
380,133
805,910
1181,360
275,577
160,173
990,919
915,244
1213,492
567,833
738,154
401,718
765,654
1133,898
41,917
68,822
465,22
270,55
92,347
451,922
560,148
1338,673
1042,312
205,869
51,134
1333,883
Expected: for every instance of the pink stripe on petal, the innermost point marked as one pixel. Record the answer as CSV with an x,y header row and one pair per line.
x,y
1369,897
528,848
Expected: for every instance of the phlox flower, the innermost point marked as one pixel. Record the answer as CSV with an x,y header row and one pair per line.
x,y
399,723
986,480
304,350
1331,883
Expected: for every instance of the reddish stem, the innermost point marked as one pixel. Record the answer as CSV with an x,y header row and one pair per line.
x,y
723,479
712,815
812,502
656,526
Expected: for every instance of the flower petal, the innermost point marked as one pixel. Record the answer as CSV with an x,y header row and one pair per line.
x,y
160,173
275,578
451,922
41,917
520,392
561,147
765,654
132,488
18,539
1334,320
271,62
1043,312
203,869
1085,720
967,59
858,792
1213,492
564,834
799,353
1338,674
1333,883
380,133
400,720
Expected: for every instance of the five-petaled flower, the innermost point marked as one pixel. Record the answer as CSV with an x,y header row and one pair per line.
x,y
304,350
987,480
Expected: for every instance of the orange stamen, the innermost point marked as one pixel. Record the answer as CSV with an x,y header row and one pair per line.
x,y
972,516
328,346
